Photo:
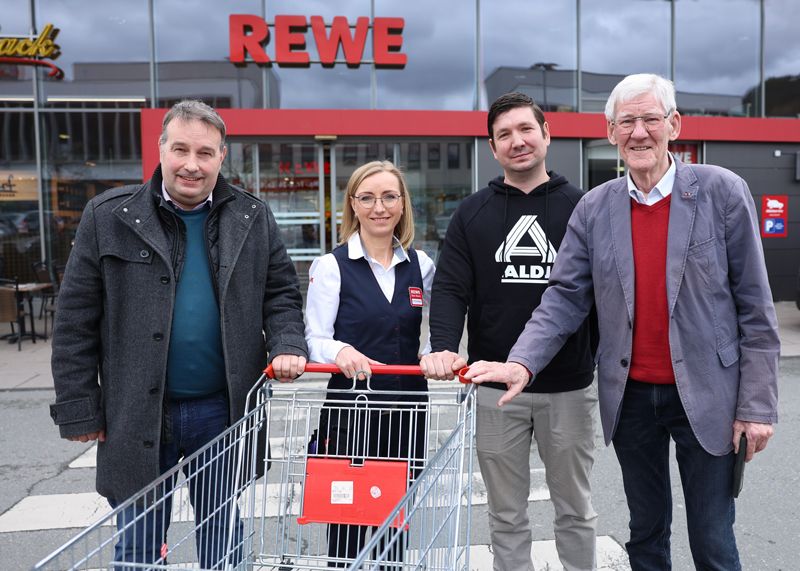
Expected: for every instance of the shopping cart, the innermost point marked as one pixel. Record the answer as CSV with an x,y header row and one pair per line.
x,y
357,479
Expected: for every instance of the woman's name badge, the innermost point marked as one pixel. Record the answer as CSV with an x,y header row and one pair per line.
x,y
415,296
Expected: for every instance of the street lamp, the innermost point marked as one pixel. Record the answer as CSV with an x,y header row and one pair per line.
x,y
545,67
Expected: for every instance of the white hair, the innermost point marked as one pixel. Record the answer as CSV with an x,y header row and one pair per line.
x,y
638,84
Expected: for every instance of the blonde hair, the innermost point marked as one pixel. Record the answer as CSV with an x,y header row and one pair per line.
x,y
404,231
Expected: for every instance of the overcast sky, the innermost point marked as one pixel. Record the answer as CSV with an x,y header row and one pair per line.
x,y
716,42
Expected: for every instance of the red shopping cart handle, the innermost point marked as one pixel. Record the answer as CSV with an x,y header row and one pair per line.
x,y
414,370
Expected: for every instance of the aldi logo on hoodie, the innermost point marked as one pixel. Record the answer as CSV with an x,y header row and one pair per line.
x,y
526,253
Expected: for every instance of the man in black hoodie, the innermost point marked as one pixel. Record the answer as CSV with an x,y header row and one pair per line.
x,y
500,247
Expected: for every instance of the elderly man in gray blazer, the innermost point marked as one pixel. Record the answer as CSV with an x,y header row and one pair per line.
x,y
688,351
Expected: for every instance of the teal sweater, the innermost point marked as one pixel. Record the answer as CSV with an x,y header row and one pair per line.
x,y
195,364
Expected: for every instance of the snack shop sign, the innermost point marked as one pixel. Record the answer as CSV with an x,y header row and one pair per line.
x,y
249,36
33,50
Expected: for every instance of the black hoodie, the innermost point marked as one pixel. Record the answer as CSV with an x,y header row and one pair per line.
x,y
495,262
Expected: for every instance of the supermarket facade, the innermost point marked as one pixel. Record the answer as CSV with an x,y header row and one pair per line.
x,y
311,90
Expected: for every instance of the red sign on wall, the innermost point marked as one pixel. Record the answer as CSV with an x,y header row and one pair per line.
x,y
774,215
249,35
686,152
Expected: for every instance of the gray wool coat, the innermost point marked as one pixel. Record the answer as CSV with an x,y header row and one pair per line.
x,y
112,330
723,333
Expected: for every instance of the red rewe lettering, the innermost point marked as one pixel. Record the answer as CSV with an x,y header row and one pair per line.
x,y
248,34
328,45
290,37
387,39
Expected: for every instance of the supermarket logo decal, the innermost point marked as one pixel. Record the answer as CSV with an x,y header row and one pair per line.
x,y
249,35
526,252
33,50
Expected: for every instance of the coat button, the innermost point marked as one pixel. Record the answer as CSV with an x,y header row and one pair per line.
x,y
148,444
144,254
158,336
624,362
53,414
165,279
153,391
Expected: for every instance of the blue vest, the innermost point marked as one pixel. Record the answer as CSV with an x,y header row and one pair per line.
x,y
386,332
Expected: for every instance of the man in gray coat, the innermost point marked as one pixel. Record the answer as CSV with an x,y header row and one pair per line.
x,y
176,294
689,347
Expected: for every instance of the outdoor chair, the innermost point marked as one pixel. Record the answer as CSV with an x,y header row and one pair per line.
x,y
11,311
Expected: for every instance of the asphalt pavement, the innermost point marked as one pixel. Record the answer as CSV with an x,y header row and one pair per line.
x,y
43,478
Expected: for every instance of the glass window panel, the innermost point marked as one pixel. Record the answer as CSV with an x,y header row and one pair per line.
x,y
453,156
782,59
541,64
104,53
193,53
16,81
434,155
74,171
618,38
238,167
439,42
291,186
317,87
435,194
716,67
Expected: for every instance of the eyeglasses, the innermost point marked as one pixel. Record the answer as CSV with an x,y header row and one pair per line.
x,y
368,201
650,122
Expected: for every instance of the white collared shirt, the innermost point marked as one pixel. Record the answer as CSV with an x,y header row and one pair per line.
x,y
165,195
322,300
660,191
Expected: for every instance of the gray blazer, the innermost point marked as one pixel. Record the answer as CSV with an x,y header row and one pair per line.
x,y
723,331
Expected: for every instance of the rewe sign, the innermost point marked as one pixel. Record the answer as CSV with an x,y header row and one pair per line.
x,y
249,35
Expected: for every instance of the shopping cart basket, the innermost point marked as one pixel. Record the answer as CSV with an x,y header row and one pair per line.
x,y
357,478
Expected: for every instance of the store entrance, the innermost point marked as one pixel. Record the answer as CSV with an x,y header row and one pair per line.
x,y
304,182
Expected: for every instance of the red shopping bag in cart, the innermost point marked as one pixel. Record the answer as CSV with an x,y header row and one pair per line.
x,y
337,491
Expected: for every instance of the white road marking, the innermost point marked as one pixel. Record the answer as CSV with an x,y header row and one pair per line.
x,y
611,556
79,510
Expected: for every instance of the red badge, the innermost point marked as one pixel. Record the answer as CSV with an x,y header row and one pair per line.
x,y
415,296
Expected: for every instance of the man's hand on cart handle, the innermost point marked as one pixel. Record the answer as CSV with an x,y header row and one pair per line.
x,y
515,376
100,436
442,365
286,368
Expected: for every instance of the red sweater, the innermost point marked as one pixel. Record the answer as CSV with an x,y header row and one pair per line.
x,y
650,361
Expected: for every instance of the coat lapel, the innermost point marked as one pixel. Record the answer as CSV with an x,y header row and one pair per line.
x,y
236,217
681,221
139,214
620,219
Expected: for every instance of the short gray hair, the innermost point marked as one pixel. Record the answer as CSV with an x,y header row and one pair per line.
x,y
193,110
640,84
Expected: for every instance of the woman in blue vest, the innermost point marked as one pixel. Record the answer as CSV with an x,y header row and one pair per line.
x,y
364,307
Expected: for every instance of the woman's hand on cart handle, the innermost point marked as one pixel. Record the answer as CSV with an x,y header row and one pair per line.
x,y
442,365
514,375
286,368
352,363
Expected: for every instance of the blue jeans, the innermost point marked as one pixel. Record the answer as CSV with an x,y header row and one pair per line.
x,y
188,426
650,415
